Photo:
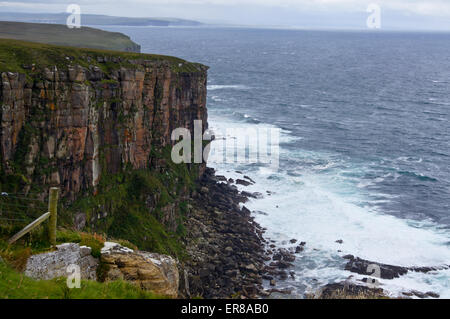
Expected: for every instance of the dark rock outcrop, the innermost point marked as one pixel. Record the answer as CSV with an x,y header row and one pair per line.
x,y
360,266
344,290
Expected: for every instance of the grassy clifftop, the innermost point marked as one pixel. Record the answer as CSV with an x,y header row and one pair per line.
x,y
61,35
19,56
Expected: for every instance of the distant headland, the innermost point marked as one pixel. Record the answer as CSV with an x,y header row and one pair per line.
x,y
95,19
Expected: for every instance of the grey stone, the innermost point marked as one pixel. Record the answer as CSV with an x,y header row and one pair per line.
x,y
55,264
85,251
251,267
79,221
432,294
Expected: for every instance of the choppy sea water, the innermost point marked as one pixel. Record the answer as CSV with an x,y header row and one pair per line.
x,y
364,145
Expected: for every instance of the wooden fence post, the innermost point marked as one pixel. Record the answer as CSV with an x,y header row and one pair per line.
x,y
29,228
53,209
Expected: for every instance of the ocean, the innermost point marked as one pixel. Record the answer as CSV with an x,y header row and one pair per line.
x,y
364,144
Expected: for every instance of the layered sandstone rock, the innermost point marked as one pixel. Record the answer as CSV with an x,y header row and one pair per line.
x,y
154,272
68,126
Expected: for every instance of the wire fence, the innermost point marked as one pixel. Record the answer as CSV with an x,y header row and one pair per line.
x,y
21,208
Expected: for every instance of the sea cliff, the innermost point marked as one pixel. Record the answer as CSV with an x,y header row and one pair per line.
x,y
97,124
79,119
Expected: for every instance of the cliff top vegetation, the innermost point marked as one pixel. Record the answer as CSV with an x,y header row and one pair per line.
x,y
25,57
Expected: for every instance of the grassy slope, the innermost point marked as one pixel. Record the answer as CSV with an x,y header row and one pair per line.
x,y
62,35
124,195
14,285
128,218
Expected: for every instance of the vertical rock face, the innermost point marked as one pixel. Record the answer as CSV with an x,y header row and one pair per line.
x,y
69,126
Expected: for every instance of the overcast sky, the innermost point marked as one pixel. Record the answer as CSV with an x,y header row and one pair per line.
x,y
395,14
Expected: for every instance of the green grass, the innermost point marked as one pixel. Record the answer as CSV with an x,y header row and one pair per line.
x,y
123,196
17,254
14,285
20,56
94,241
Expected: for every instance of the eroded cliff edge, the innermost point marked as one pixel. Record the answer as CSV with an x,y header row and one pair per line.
x,y
98,125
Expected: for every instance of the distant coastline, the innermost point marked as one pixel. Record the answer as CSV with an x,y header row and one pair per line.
x,y
96,19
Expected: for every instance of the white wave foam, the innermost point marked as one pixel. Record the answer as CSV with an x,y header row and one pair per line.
x,y
437,282
320,207
313,212
410,159
219,127
216,98
223,87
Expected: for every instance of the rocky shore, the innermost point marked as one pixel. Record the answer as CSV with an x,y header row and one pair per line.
x,y
225,244
229,256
